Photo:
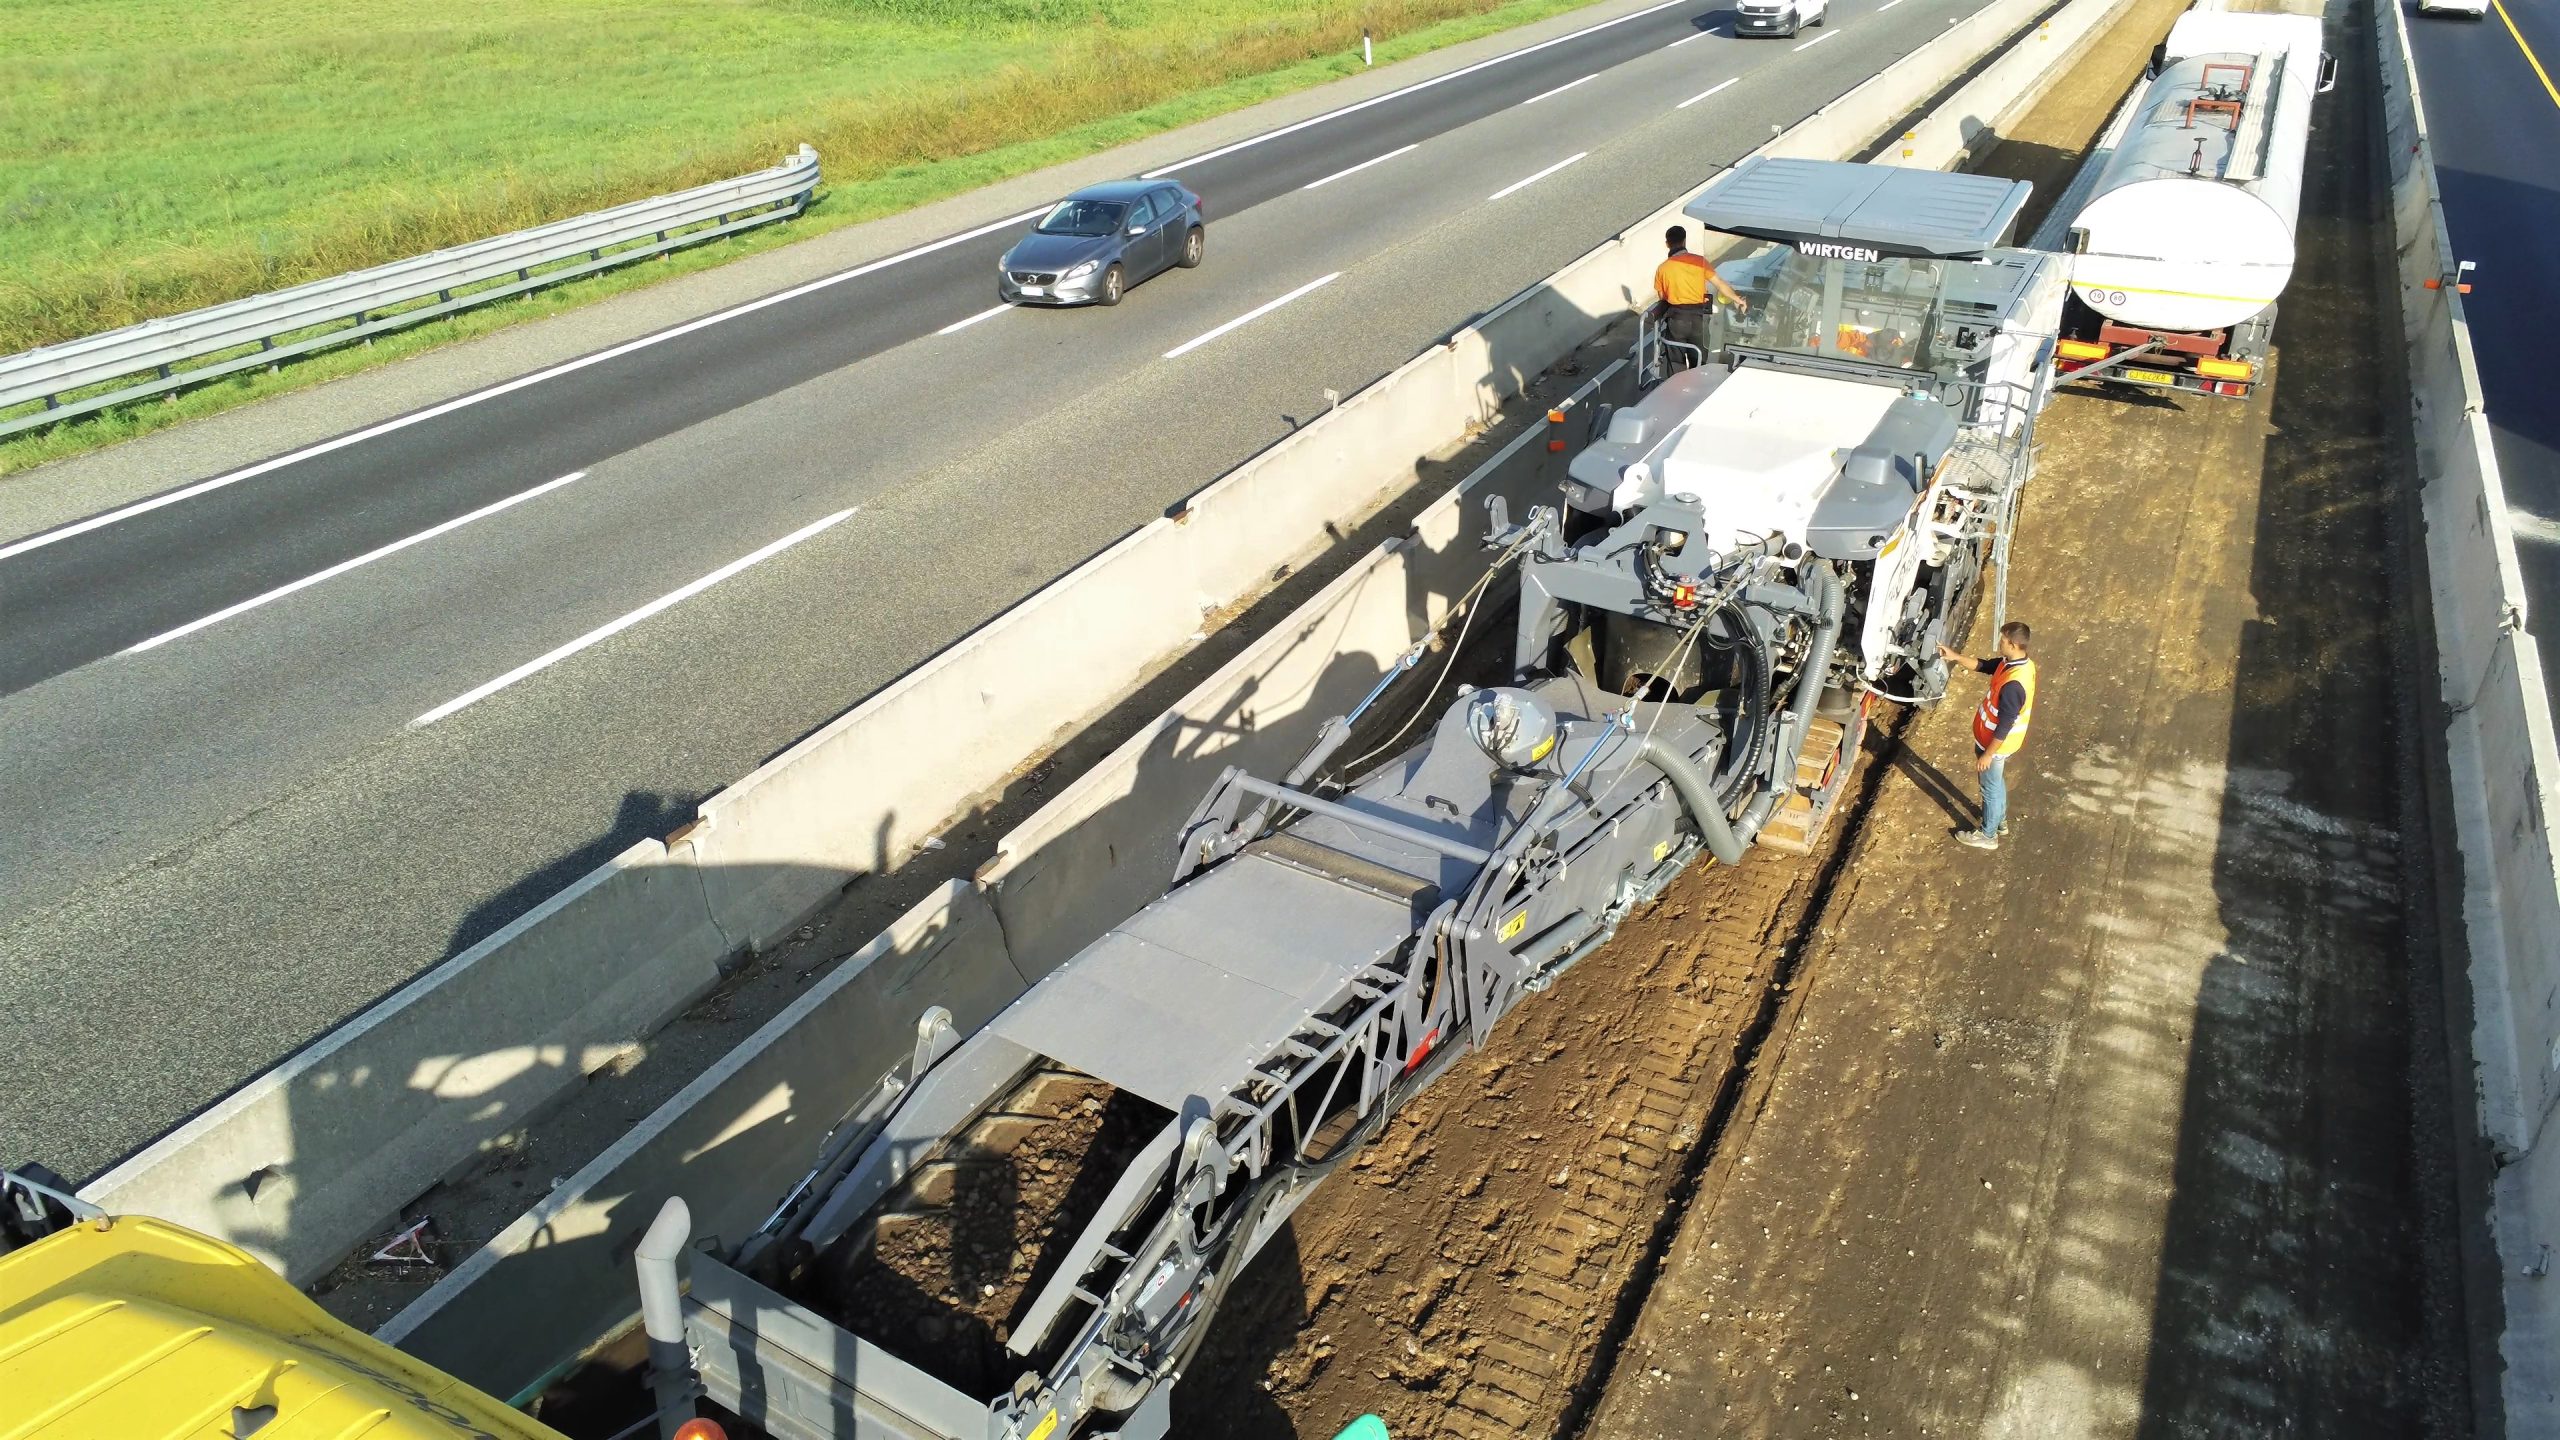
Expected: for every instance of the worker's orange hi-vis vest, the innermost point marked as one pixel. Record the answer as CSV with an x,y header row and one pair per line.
x,y
1986,717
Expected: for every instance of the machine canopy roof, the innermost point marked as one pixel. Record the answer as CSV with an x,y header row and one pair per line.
x,y
1836,209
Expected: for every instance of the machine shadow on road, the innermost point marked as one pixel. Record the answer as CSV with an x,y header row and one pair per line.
x,y
2309,1203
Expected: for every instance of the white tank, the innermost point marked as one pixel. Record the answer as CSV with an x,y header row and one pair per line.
x,y
2191,224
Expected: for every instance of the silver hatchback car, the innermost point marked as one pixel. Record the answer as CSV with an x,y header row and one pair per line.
x,y
1093,245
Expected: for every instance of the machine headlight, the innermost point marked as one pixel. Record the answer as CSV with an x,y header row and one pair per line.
x,y
1082,270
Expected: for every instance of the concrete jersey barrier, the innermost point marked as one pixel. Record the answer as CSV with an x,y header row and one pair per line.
x,y
2503,766
1100,848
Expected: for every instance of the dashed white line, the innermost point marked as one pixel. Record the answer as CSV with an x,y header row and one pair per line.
x,y
1569,84
343,566
1248,317
1827,33
1252,141
956,326
1887,5
1363,165
615,627
358,437
1685,39
1703,94
1519,185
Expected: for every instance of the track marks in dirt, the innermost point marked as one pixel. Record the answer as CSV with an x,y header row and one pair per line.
x,y
1461,1274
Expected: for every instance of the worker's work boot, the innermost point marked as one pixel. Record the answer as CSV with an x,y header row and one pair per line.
x,y
1977,840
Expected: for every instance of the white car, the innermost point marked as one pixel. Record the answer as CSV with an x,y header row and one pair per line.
x,y
1779,17
2476,9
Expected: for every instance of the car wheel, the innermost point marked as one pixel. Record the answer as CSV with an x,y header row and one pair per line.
x,y
1112,282
1194,246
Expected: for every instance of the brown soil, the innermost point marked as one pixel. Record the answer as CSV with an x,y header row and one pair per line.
x,y
2111,1133
967,1242
1458,1277
2106,1134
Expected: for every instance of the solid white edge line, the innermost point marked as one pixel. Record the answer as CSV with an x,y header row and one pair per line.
x,y
1827,33
1256,313
1519,185
1703,94
1685,39
1569,84
616,626
126,512
343,566
1363,165
1356,107
956,326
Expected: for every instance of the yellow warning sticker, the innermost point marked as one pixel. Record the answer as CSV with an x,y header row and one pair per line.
x,y
1518,922
1660,851
1047,1423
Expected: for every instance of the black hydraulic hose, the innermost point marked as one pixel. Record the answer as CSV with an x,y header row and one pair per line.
x,y
1750,737
1697,795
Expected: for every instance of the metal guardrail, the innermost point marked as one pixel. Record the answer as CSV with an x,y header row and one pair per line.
x,y
182,350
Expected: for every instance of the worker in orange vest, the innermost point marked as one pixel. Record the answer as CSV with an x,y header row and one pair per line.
x,y
1999,726
1681,282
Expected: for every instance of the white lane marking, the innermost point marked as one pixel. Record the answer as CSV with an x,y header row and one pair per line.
x,y
1363,165
1887,5
1248,317
1569,84
615,627
1519,185
1827,33
956,326
343,566
358,437
1685,39
1703,94
2532,527
1358,106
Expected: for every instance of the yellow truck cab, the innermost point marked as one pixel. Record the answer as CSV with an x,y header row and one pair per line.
x,y
128,1328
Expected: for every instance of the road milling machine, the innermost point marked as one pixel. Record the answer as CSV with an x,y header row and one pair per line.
x,y
1768,538
1025,1233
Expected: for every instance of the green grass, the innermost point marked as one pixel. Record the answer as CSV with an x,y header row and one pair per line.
x,y
160,155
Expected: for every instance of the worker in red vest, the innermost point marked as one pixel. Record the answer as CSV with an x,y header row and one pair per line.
x,y
1681,283
1999,727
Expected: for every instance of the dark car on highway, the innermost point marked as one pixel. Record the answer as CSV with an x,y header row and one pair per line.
x,y
1093,245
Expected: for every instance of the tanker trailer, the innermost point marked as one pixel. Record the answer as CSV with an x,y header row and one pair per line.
x,y
2187,237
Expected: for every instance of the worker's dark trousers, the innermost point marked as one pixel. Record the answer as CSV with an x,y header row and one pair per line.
x,y
1688,325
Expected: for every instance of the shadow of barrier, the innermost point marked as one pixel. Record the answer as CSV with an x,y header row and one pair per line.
x,y
2496,734
306,1161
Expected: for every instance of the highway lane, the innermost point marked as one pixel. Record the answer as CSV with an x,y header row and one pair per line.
x,y
169,566
244,838
2493,107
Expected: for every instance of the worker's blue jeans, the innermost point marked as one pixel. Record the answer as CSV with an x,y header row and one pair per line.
x,y
1995,795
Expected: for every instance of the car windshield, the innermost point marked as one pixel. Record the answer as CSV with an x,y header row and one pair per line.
x,y
1083,217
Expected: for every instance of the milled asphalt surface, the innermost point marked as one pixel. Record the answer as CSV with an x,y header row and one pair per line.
x,y
230,843
2496,127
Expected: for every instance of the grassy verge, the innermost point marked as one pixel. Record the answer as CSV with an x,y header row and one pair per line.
x,y
490,115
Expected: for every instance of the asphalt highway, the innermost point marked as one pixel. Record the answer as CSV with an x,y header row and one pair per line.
x,y
282,737
2492,92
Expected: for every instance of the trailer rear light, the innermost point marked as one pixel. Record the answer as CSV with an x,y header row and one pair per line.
x,y
2081,350
2226,369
